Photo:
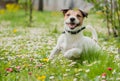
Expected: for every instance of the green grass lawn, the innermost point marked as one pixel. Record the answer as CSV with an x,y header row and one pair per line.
x,y
24,51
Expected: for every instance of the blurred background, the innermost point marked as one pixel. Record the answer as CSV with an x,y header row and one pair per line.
x,y
28,12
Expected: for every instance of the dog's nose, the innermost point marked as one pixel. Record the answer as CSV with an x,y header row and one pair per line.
x,y
72,19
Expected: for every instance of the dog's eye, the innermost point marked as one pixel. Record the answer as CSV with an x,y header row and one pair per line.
x,y
68,14
78,15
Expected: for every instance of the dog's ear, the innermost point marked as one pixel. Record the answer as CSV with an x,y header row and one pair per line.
x,y
85,14
64,11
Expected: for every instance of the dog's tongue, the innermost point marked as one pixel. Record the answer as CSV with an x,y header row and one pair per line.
x,y
72,25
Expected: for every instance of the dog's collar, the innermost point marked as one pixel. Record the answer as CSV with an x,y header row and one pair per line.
x,y
75,32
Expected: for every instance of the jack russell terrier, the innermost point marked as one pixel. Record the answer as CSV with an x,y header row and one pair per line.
x,y
72,42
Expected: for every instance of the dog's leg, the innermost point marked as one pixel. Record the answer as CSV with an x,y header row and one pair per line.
x,y
53,52
57,49
75,52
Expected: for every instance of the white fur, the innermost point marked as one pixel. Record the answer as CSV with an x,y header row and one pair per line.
x,y
72,45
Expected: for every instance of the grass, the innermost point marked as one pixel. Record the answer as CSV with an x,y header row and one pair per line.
x,y
24,51
21,19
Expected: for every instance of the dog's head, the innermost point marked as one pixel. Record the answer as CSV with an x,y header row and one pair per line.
x,y
73,19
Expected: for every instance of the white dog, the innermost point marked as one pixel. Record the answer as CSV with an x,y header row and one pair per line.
x,y
72,42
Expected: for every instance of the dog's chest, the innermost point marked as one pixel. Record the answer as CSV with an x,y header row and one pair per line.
x,y
70,42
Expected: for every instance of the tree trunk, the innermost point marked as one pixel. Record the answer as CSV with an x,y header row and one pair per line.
x,y
71,4
30,14
118,16
107,17
112,19
40,5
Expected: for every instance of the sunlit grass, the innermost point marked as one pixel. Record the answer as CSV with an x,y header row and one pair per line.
x,y
24,52
21,18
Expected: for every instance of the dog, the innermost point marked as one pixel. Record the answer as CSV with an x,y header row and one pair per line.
x,y
72,42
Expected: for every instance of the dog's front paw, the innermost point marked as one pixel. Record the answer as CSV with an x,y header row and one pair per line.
x,y
73,53
50,57
68,55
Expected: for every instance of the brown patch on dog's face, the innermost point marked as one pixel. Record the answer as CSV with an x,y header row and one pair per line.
x,y
73,18
76,13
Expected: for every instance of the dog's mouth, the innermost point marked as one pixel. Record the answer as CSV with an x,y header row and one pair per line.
x,y
72,25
